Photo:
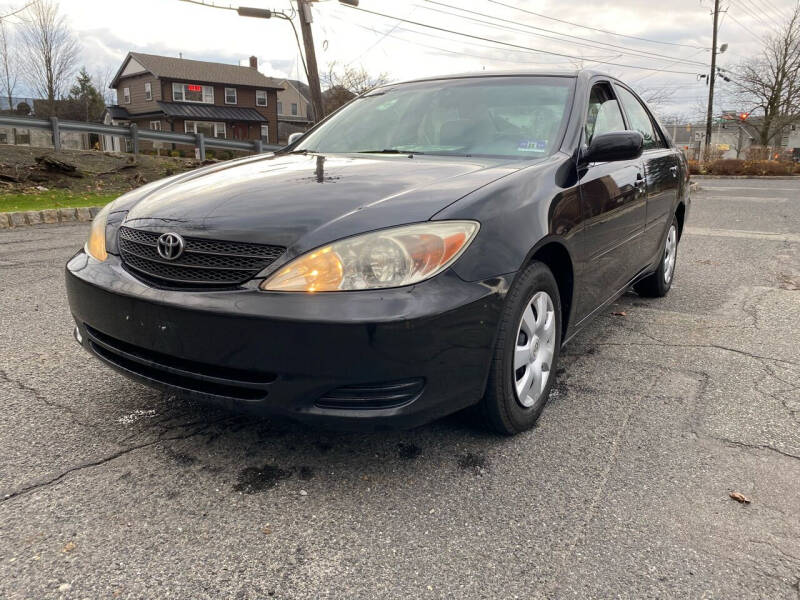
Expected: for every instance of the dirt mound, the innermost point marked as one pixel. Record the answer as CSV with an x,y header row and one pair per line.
x,y
23,168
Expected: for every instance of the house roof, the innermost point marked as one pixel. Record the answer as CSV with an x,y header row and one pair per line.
x,y
210,112
206,112
197,70
301,87
118,112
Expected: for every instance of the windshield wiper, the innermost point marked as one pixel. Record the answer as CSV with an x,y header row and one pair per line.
x,y
388,151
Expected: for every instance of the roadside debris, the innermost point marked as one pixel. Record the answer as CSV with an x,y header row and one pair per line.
x,y
740,498
620,313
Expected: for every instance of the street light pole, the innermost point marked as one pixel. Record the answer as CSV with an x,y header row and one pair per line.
x,y
710,112
304,10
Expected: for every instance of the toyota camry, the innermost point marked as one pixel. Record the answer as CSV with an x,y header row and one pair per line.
x,y
429,247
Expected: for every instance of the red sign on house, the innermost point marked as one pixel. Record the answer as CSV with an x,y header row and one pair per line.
x,y
195,88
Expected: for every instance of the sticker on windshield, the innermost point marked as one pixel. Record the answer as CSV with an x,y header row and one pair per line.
x,y
532,146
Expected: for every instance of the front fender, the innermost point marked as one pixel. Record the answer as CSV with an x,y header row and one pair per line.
x,y
518,215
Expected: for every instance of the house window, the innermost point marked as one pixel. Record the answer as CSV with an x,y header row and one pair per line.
x,y
192,92
3,136
280,107
265,133
126,95
207,128
261,97
22,136
294,109
230,95
155,125
148,91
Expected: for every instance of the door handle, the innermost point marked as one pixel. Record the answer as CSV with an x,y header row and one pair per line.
x,y
640,182
674,170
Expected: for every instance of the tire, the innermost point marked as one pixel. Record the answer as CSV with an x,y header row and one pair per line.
x,y
501,407
657,284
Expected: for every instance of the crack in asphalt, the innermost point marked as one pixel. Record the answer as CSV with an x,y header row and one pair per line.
x,y
4,376
55,478
737,443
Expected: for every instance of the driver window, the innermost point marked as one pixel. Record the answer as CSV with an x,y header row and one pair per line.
x,y
604,115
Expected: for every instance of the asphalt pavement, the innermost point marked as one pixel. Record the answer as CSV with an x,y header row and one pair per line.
x,y
111,490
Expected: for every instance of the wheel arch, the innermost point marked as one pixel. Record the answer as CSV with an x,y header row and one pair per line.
x,y
680,214
553,252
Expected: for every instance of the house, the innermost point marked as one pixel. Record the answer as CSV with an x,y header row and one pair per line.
x,y
295,111
181,95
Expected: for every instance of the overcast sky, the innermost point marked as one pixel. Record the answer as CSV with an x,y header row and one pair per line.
x,y
108,29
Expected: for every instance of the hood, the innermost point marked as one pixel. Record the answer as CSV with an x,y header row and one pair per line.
x,y
303,201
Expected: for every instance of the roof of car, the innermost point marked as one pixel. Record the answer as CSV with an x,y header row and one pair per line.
x,y
515,73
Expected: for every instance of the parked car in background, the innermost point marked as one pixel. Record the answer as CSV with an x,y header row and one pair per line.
x,y
427,248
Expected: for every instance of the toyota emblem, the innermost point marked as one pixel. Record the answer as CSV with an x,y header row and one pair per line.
x,y
170,246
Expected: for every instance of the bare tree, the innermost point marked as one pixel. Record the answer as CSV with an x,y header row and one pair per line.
x,y
769,84
51,51
103,77
345,83
8,64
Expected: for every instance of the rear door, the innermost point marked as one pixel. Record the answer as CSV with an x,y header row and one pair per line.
x,y
662,171
613,205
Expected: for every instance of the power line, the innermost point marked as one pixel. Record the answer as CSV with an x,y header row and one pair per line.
x,y
449,51
626,49
632,37
509,44
747,29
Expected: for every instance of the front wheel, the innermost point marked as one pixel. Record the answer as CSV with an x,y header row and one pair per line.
x,y
657,284
526,356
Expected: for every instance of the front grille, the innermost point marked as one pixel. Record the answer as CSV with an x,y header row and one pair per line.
x,y
179,372
204,263
374,395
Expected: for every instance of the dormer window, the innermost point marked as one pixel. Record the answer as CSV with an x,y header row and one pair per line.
x,y
192,92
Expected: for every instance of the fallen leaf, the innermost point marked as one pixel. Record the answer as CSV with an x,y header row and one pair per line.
x,y
621,313
266,530
68,547
741,498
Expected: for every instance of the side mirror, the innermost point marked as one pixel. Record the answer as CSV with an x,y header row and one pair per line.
x,y
294,137
616,145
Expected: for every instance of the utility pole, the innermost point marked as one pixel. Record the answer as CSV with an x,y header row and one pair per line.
x,y
710,113
304,8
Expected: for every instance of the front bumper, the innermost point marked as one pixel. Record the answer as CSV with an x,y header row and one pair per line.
x,y
381,359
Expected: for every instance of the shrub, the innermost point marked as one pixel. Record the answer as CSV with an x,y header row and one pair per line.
x,y
696,168
175,153
727,166
767,167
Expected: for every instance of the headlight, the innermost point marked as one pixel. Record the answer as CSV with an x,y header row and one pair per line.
x,y
381,259
96,244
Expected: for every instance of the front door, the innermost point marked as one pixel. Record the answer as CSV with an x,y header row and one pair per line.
x,y
613,204
662,171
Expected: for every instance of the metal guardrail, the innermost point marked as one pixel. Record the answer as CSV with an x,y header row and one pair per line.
x,y
133,133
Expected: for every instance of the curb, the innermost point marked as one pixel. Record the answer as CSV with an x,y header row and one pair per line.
x,y
84,214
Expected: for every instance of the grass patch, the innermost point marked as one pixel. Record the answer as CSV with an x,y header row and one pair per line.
x,y
52,199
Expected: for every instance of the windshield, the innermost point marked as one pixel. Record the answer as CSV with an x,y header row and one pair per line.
x,y
518,117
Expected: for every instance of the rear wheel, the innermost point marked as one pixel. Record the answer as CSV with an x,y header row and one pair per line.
x,y
527,351
658,284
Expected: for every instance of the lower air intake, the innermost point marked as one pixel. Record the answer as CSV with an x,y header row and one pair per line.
x,y
373,395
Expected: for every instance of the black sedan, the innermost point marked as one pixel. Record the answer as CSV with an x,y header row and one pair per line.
x,y
427,248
